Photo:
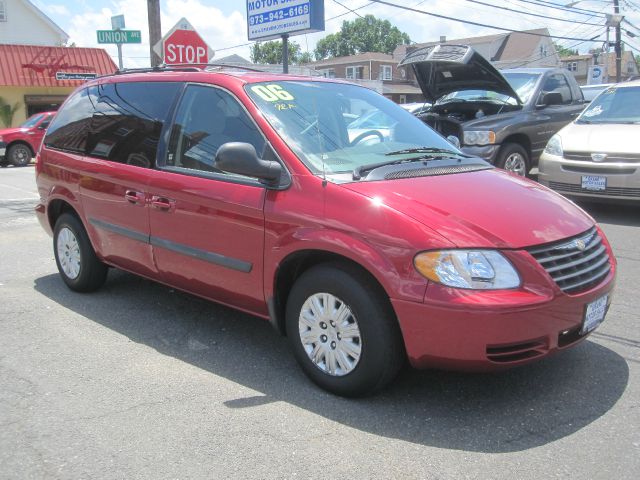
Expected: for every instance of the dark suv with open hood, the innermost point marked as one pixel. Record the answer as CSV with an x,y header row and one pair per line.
x,y
504,117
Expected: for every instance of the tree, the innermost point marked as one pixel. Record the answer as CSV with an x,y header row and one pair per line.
x,y
564,51
368,34
271,52
7,111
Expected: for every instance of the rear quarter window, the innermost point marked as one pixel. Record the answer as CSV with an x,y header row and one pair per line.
x,y
70,127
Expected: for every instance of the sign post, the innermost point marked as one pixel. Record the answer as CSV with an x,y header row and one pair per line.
x,y
268,19
119,36
182,44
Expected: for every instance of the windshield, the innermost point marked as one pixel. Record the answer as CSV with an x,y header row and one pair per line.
x,y
614,105
336,128
32,120
471,95
523,83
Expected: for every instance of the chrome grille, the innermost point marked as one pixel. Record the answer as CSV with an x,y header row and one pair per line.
x,y
611,157
575,264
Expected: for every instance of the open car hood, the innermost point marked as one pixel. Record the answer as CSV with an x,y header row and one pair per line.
x,y
443,69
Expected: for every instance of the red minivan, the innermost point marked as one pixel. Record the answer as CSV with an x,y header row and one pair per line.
x,y
366,247
19,145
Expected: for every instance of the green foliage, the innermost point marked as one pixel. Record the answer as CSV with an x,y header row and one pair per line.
x,y
368,34
563,51
271,52
7,111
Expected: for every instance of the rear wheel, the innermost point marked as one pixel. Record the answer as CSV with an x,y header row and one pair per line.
x,y
19,154
77,262
343,331
514,158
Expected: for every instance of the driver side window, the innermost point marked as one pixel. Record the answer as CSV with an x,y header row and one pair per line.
x,y
557,83
206,119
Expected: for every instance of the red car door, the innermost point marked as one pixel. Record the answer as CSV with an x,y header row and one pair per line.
x,y
207,226
121,150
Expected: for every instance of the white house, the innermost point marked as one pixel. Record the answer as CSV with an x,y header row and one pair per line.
x,y
22,23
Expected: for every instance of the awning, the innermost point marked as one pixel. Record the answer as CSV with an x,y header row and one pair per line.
x,y
38,66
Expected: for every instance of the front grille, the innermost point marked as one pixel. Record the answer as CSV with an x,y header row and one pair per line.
x,y
575,264
612,157
430,172
610,191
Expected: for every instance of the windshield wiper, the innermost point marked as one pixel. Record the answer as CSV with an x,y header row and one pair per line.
x,y
426,150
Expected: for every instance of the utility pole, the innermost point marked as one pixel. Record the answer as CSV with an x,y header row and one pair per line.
x,y
285,53
155,30
618,45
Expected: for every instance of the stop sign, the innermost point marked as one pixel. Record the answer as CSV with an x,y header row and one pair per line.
x,y
182,44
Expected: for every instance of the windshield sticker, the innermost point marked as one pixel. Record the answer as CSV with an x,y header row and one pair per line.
x,y
272,93
597,110
609,91
284,106
446,74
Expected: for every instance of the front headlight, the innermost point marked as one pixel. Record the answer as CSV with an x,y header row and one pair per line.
x,y
554,146
479,137
470,269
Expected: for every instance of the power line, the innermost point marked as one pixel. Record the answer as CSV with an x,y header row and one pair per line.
x,y
541,3
477,24
529,13
344,6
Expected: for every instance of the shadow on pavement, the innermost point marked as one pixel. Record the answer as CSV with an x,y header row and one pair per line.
x,y
507,412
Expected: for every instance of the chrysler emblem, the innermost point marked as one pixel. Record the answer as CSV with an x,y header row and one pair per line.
x,y
580,244
598,157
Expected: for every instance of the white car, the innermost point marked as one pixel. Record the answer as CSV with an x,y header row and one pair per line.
x,y
598,155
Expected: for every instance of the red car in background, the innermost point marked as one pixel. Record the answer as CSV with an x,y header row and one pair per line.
x,y
19,145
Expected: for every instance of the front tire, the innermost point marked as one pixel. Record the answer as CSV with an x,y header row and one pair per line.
x,y
19,154
77,262
343,331
514,158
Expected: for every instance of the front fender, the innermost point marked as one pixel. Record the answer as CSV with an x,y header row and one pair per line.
x,y
392,268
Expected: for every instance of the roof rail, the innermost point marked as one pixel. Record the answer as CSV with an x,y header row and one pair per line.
x,y
184,67
160,68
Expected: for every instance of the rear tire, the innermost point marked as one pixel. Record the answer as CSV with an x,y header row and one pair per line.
x,y
77,262
343,330
19,154
514,158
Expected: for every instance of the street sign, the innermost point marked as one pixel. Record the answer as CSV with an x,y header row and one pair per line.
x,y
119,36
117,22
267,19
182,44
75,76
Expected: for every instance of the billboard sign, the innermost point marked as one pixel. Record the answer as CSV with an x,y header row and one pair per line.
x,y
269,19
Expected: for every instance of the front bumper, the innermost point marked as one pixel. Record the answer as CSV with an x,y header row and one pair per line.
x,y
486,152
474,331
565,176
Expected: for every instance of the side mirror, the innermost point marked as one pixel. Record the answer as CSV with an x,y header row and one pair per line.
x,y
550,98
241,158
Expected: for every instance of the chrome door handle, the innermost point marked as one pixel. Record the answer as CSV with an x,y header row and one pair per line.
x,y
163,203
134,197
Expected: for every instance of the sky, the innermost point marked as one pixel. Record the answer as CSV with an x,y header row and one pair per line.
x,y
222,24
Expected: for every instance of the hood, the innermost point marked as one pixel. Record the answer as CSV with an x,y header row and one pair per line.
x,y
10,131
485,209
600,138
443,69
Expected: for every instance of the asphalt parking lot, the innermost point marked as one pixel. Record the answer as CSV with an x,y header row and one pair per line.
x,y
141,381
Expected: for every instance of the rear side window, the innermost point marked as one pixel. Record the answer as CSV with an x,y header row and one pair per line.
x,y
70,127
128,121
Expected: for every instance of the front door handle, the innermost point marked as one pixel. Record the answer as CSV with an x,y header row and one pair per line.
x,y
134,197
163,203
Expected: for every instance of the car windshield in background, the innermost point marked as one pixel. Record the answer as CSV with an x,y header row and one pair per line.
x,y
523,83
614,105
477,95
31,121
336,128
